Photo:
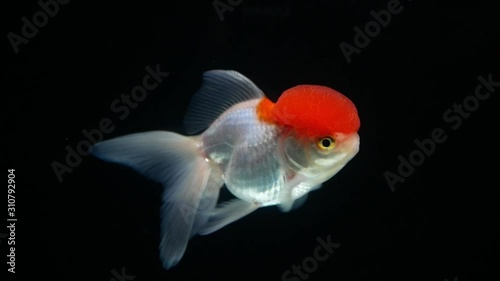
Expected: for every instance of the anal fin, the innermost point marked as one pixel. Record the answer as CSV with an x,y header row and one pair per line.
x,y
227,213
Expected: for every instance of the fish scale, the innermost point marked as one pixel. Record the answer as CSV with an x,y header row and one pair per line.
x,y
245,150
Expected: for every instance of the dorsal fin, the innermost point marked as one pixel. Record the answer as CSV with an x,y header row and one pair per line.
x,y
220,90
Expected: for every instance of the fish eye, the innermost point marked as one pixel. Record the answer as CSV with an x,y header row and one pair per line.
x,y
326,143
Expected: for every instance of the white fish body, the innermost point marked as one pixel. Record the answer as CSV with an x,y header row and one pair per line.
x,y
261,162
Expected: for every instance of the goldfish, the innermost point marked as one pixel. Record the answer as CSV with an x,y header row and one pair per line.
x,y
264,153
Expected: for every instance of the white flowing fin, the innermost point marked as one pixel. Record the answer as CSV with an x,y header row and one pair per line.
x,y
220,90
174,161
295,191
227,213
286,196
208,201
286,201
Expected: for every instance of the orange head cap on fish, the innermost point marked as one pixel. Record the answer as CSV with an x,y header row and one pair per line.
x,y
316,111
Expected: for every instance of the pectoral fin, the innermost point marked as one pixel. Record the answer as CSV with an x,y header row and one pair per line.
x,y
299,202
294,194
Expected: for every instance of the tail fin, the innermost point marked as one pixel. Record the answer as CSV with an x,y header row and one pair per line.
x,y
174,161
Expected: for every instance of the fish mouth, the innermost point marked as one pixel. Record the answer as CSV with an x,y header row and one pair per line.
x,y
350,147
352,143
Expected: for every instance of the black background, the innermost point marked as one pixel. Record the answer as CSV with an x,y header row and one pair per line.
x,y
440,223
